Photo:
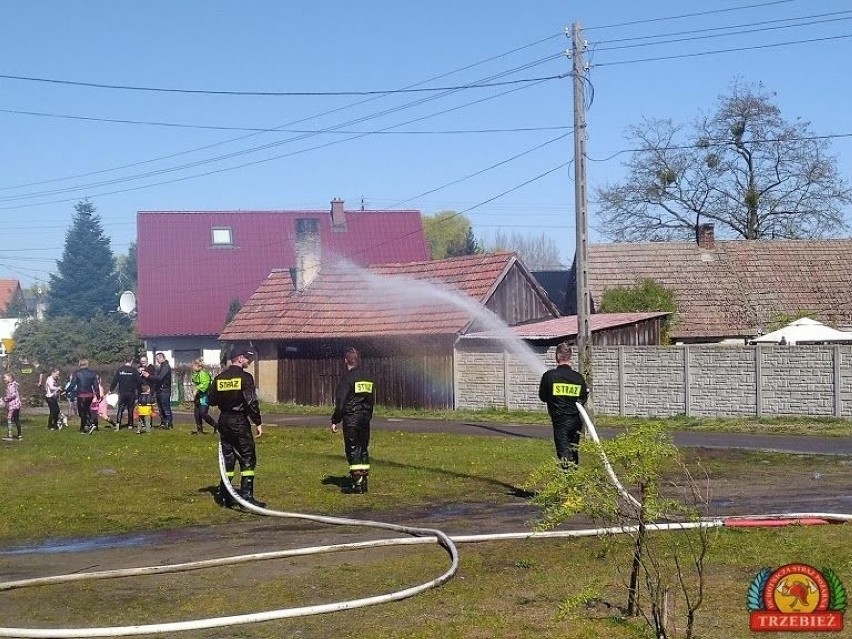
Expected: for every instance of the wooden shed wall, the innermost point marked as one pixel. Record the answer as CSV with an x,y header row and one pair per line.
x,y
517,301
644,333
415,373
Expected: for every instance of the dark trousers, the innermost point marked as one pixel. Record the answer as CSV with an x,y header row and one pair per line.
x,y
237,442
566,436
202,414
356,440
126,401
53,417
164,403
13,418
84,410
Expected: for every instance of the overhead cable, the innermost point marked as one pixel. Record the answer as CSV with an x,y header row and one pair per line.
x,y
183,125
287,124
717,51
690,15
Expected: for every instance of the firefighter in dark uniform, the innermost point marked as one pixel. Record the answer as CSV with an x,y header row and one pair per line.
x,y
353,407
561,388
233,391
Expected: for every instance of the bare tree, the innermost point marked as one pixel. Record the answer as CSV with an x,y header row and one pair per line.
x,y
538,253
743,167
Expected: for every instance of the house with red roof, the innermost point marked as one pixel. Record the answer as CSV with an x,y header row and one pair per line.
x,y
9,290
408,320
193,265
733,290
729,291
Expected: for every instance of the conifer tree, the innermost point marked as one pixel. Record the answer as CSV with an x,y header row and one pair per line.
x,y
85,282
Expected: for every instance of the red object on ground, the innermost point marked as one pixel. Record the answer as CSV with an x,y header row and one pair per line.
x,y
768,523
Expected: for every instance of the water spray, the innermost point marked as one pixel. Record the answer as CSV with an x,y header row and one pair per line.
x,y
413,292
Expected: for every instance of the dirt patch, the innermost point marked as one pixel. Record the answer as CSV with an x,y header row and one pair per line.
x,y
806,484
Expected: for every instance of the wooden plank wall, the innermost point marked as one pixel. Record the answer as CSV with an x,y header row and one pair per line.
x,y
309,374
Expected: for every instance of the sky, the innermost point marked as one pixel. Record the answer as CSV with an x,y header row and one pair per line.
x,y
500,153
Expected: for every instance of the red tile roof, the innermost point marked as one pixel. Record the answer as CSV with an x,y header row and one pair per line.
x,y
392,299
735,287
8,288
559,327
186,284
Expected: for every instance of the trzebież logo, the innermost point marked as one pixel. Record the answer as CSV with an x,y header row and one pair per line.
x,y
796,598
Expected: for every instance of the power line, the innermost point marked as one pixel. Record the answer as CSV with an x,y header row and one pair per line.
x,y
231,168
724,35
95,85
182,125
481,171
731,26
703,53
689,15
296,138
479,204
291,123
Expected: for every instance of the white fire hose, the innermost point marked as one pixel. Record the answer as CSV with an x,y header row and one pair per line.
x,y
417,536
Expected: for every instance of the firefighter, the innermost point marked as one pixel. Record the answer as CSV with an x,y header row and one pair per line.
x,y
561,388
233,391
353,407
128,381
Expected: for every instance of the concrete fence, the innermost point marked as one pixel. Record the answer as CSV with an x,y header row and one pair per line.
x,y
697,380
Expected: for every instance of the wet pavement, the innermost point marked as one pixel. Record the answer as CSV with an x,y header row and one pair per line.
x,y
693,439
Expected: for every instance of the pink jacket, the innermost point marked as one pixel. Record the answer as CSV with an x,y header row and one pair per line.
x,y
13,396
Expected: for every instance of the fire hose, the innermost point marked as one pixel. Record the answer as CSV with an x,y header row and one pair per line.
x,y
416,536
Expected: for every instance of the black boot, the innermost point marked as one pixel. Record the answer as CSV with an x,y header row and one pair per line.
x,y
223,497
358,485
247,491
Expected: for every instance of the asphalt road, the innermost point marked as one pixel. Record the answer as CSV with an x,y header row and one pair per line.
x,y
776,443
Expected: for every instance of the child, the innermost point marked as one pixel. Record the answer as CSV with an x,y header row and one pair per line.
x,y
100,410
145,410
12,400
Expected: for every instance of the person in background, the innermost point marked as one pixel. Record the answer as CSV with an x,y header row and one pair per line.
x,y
145,367
12,401
86,386
561,388
233,391
145,409
162,381
51,396
201,380
127,380
100,410
354,400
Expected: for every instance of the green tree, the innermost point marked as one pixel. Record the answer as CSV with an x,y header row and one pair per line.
x,y
644,296
58,341
126,269
85,283
538,253
743,167
233,309
469,246
644,459
449,235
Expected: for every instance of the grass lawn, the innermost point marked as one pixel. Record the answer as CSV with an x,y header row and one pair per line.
x,y
67,485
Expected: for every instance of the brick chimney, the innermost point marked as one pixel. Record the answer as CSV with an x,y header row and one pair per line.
x,y
338,215
705,236
308,253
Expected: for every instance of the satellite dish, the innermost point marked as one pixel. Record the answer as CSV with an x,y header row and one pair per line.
x,y
127,302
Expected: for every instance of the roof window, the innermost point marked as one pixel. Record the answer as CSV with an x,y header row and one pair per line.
x,y
222,236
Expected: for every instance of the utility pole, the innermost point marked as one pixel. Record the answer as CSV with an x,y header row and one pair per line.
x,y
581,254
